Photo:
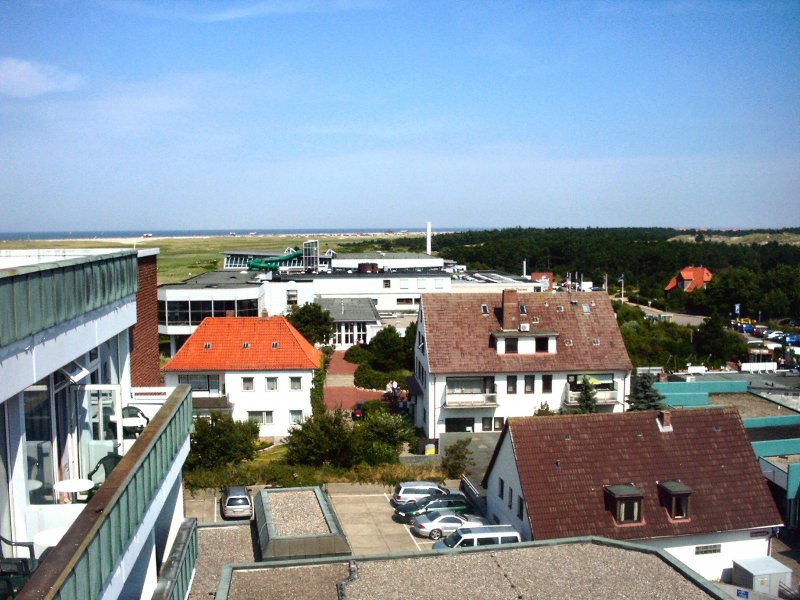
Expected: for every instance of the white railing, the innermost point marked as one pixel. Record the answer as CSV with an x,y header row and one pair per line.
x,y
456,400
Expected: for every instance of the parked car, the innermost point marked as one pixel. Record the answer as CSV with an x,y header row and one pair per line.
x,y
456,502
415,490
435,524
469,537
358,412
775,334
236,502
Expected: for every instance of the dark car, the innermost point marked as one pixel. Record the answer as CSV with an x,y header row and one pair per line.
x,y
454,502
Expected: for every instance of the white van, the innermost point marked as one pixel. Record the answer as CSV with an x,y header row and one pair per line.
x,y
471,537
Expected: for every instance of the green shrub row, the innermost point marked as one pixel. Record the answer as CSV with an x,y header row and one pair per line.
x,y
369,379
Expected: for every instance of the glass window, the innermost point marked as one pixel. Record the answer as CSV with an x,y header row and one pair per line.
x,y
520,508
295,383
511,384
510,496
404,284
541,344
470,385
39,442
708,549
247,384
201,383
272,384
629,510
199,310
512,344
421,283
254,416
291,297
178,312
547,384
267,417
498,423
295,416
222,307
162,312
247,308
530,381
486,423
501,492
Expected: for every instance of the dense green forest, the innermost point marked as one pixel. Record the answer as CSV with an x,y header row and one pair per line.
x,y
763,278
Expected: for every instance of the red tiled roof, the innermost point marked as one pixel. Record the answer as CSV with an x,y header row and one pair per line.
x,y
218,344
697,277
458,334
564,462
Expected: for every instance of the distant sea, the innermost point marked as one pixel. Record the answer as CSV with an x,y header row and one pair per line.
x,y
68,235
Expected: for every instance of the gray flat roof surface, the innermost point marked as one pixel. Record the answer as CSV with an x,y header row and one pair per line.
x,y
296,513
216,279
750,405
350,309
568,571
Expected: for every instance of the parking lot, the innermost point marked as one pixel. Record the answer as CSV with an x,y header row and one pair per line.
x,y
364,514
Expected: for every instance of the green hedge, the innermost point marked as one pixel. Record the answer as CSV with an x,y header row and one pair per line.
x,y
369,379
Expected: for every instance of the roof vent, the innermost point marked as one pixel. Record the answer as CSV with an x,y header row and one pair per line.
x,y
568,342
534,319
559,308
275,344
595,341
207,346
246,345
567,436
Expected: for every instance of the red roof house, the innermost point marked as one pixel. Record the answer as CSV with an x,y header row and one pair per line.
x,y
689,279
262,367
686,481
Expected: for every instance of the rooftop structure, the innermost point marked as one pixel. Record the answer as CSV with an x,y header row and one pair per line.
x,y
689,279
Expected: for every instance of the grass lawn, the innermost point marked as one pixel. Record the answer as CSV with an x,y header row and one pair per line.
x,y
183,257
271,454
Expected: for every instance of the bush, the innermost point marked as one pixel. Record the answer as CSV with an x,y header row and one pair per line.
x,y
369,379
357,355
324,438
457,457
379,437
219,440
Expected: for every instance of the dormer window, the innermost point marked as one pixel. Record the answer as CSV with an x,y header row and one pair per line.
x,y
674,496
568,342
625,503
559,308
484,309
595,341
512,345
534,319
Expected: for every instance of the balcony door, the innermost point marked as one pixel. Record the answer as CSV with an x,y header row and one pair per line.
x,y
96,425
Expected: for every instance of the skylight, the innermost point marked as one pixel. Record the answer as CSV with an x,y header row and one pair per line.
x,y
523,310
485,309
207,346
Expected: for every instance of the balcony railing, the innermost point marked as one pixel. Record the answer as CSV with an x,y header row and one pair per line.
x,y
36,297
176,574
603,397
80,565
456,400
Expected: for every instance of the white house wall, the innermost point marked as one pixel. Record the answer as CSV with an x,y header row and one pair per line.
x,y
497,509
27,361
734,545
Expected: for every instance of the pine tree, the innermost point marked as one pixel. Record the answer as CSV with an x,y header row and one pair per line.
x,y
643,395
587,400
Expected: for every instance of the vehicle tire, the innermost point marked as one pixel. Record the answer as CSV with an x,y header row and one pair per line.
x,y
436,534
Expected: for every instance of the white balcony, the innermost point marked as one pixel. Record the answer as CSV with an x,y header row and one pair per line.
x,y
456,400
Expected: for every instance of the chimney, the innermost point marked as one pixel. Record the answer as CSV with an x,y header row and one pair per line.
x,y
264,313
664,421
428,238
510,309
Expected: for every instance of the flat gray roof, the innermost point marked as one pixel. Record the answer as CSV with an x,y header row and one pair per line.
x,y
546,571
350,309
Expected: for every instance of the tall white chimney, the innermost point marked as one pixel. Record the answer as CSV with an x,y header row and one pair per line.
x,y
428,237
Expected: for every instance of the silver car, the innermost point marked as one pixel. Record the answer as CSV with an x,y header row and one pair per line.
x,y
236,502
437,523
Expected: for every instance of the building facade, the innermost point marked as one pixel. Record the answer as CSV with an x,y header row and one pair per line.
x,y
262,367
482,358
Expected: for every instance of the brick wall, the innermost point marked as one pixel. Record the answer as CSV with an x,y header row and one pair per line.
x,y
145,366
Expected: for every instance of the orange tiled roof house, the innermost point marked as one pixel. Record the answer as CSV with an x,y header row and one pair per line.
x,y
689,279
686,482
483,357
262,366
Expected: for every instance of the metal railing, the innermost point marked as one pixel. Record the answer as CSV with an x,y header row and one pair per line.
x,y
81,564
456,400
36,297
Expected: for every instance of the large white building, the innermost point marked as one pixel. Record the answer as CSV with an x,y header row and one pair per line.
x,y
481,358
262,367
66,321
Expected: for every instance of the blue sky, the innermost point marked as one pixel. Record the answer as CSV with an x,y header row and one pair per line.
x,y
125,114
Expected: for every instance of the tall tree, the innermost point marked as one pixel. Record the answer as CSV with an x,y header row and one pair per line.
x,y
388,350
587,400
219,440
643,395
313,322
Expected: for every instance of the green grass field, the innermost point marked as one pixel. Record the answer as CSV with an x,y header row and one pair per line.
x,y
181,258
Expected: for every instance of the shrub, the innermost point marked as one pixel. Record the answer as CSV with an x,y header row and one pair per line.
x,y
457,457
219,440
324,438
369,379
357,355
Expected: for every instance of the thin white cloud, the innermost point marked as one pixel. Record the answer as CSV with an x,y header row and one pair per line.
x,y
26,79
212,12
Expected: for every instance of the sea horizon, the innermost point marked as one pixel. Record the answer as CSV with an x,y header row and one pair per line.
x,y
132,233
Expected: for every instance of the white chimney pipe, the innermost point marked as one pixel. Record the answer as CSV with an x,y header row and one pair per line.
x,y
429,239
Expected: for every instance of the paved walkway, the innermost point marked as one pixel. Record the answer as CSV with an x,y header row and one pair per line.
x,y
340,391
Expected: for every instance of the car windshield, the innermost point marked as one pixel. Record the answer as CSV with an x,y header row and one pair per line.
x,y
433,515
238,502
452,540
422,503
